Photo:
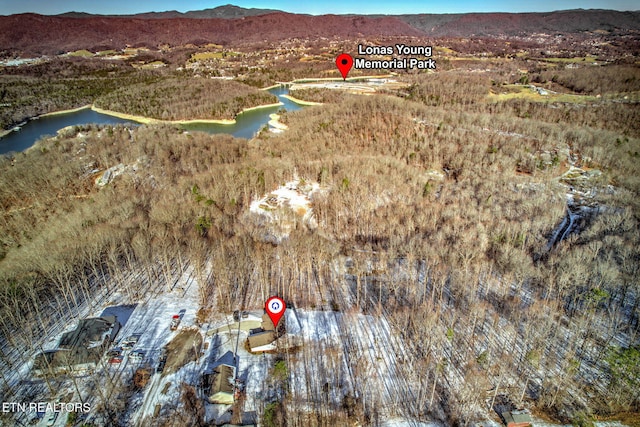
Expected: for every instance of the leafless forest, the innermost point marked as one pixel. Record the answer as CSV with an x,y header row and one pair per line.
x,y
442,211
173,99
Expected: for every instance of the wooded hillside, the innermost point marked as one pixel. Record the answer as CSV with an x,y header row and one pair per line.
x,y
438,213
185,99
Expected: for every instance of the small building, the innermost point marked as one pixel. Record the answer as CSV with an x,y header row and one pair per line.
x,y
264,338
517,419
262,341
219,385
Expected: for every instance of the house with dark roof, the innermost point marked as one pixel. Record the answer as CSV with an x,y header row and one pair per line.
x,y
79,350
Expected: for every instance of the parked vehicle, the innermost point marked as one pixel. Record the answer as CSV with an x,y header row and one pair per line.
x,y
129,342
175,322
116,359
240,314
137,355
114,352
162,361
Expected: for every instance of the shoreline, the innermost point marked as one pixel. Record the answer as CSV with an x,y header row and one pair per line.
x,y
272,86
138,119
5,132
300,101
61,112
258,107
274,122
150,120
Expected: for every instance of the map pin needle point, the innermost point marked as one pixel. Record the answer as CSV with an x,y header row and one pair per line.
x,y
344,62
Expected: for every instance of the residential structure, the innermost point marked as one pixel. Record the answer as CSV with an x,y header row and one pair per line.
x,y
517,419
219,385
261,341
263,338
79,350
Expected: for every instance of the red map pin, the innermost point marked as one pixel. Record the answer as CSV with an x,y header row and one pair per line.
x,y
344,61
275,307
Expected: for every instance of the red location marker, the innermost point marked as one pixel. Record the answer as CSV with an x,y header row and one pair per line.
x,y
275,307
344,61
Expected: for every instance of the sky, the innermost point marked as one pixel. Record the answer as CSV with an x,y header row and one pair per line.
x,y
116,7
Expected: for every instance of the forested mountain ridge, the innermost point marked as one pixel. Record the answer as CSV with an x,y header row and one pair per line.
x,y
38,34
69,32
525,24
228,11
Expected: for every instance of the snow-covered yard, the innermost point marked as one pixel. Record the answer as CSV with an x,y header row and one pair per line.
x,y
332,353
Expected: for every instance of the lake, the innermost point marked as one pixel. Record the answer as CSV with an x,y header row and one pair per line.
x,y
33,130
250,122
247,124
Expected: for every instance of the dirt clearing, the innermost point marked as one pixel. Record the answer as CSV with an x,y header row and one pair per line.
x,y
184,348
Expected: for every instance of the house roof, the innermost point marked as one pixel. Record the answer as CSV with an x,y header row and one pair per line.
x,y
261,338
267,324
67,360
89,331
222,379
517,417
84,345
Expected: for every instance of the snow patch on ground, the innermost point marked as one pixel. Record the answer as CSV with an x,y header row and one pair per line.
x,y
279,211
108,175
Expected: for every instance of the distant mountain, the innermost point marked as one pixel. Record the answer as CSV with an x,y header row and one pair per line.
x,y
38,34
227,11
449,25
522,24
76,15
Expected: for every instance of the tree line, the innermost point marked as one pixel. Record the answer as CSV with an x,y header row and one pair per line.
x,y
185,99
